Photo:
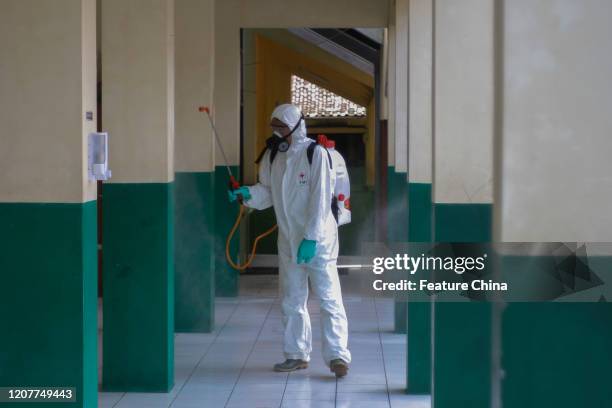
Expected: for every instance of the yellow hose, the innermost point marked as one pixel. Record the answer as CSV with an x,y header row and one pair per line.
x,y
229,240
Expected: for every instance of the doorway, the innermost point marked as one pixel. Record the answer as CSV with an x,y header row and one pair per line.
x,y
332,75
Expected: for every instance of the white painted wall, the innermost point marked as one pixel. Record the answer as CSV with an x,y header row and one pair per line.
x,y
47,83
391,84
420,88
463,101
226,93
312,13
231,15
194,85
89,92
401,86
384,74
556,170
138,88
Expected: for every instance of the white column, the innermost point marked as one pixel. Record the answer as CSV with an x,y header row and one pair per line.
x,y
226,107
401,86
463,102
420,98
47,86
138,87
391,84
195,36
556,175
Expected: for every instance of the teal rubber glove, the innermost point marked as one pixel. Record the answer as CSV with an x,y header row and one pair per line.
x,y
306,251
243,191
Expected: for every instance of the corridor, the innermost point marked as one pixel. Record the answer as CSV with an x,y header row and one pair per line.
x,y
232,366
469,129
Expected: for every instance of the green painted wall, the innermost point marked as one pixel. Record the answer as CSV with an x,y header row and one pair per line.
x,y
462,222
557,355
397,228
226,278
259,222
462,343
49,298
361,228
194,289
418,325
397,206
400,316
138,287
418,365
420,212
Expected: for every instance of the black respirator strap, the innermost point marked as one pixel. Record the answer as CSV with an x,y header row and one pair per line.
x,y
274,151
295,127
261,155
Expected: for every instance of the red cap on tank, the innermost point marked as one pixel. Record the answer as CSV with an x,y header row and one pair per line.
x,y
324,141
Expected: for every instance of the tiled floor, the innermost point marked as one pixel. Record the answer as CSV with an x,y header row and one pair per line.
x,y
232,367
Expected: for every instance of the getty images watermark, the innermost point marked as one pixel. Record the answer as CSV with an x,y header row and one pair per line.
x,y
484,271
404,263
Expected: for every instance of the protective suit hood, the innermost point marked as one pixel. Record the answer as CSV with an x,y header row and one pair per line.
x,y
290,115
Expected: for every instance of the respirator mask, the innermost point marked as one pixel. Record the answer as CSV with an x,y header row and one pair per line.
x,y
278,142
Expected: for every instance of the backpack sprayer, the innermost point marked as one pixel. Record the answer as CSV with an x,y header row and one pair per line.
x,y
234,185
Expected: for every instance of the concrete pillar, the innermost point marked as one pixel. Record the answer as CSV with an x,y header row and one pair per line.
x,y
194,168
226,111
390,104
249,106
419,187
462,188
401,88
397,204
553,184
398,207
138,113
47,204
420,160
391,112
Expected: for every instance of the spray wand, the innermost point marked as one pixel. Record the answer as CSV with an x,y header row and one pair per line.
x,y
234,185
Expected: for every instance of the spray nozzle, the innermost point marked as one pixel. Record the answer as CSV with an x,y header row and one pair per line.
x,y
235,185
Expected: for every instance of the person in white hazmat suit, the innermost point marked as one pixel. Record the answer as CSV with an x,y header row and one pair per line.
x,y
301,193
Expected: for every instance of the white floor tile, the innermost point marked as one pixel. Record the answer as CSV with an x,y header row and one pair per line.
x,y
308,404
359,388
316,395
108,399
410,401
137,399
307,386
362,404
255,399
208,398
363,396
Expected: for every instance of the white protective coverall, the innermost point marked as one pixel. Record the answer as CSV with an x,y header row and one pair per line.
x,y
301,195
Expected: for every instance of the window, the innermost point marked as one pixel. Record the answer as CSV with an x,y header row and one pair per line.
x,y
317,102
